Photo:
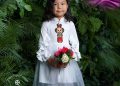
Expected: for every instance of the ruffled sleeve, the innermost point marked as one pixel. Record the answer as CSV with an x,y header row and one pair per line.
x,y
74,42
43,51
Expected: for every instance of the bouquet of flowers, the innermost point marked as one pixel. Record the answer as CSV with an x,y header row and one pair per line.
x,y
63,56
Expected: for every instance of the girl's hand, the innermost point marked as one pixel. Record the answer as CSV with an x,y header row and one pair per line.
x,y
63,65
51,61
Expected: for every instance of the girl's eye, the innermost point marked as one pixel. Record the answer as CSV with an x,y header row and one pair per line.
x,y
62,4
55,4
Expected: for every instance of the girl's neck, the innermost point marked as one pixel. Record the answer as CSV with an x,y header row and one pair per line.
x,y
59,17
59,20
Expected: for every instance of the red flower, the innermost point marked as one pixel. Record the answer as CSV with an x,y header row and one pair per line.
x,y
61,51
57,53
64,50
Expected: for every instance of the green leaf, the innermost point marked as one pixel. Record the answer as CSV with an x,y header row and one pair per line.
x,y
82,28
20,3
22,12
94,24
13,6
24,78
2,14
28,7
82,24
91,46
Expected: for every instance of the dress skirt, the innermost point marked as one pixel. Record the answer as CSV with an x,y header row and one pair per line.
x,y
46,75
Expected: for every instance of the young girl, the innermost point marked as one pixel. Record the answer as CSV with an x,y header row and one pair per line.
x,y
57,31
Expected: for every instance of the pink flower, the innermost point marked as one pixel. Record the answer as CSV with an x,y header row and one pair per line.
x,y
105,4
57,53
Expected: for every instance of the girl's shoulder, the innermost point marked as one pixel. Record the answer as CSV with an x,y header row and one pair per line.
x,y
71,24
45,22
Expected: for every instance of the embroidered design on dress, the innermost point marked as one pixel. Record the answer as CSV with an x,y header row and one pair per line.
x,y
59,30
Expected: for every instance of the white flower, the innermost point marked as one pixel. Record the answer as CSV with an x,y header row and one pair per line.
x,y
65,58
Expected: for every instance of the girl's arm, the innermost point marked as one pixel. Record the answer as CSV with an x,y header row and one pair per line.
x,y
74,42
43,51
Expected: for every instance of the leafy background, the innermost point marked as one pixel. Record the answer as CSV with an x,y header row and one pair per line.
x,y
98,31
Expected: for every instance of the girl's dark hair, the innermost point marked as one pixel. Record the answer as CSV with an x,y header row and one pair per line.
x,y
48,14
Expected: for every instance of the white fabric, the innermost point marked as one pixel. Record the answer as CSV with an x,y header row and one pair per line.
x,y
48,39
47,75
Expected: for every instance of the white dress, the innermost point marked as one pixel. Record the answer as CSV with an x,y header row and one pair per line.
x,y
46,75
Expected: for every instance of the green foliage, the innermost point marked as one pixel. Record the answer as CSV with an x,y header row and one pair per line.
x,y
95,24
116,83
98,32
12,29
23,6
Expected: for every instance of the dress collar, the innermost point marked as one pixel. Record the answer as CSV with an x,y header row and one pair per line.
x,y
59,20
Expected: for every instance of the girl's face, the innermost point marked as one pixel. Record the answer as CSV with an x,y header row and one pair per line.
x,y
60,8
